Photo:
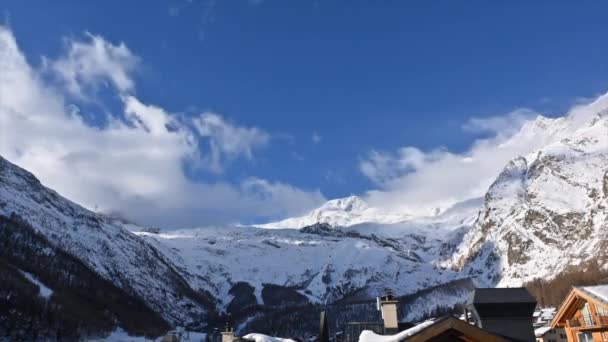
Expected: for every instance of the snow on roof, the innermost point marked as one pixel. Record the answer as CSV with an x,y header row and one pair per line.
x,y
370,336
265,338
544,315
541,331
600,291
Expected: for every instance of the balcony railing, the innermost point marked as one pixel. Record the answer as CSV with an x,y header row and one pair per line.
x,y
589,321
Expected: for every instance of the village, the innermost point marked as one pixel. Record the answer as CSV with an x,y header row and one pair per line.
x,y
490,315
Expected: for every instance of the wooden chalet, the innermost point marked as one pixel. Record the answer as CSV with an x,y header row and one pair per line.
x,y
584,314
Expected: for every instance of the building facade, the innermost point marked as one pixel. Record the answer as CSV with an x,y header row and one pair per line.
x,y
584,314
547,334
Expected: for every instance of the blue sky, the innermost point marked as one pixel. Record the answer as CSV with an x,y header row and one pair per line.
x,y
329,82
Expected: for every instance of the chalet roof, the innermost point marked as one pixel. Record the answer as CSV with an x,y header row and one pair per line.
x,y
540,332
263,338
598,292
501,295
450,328
370,336
447,328
544,315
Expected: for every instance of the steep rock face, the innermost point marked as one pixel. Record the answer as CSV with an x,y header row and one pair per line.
x,y
102,245
545,211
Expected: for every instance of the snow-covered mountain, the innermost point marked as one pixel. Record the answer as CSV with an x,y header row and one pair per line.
x,y
341,212
194,277
320,264
546,210
102,244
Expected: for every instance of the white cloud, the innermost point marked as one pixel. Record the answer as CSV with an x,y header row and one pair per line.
x,y
383,167
91,63
500,125
418,181
134,164
228,141
281,195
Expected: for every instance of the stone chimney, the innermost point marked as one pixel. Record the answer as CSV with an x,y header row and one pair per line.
x,y
387,305
504,311
227,334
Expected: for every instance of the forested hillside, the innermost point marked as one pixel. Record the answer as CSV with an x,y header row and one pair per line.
x,y
81,302
551,292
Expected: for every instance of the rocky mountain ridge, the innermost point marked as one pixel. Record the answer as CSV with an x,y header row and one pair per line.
x,y
545,211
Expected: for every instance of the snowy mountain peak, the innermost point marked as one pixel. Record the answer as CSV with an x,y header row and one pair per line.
x,y
346,204
341,212
545,210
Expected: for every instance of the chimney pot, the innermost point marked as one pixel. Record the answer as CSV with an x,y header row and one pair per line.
x,y
388,308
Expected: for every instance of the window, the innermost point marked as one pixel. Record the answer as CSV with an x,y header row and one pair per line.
x,y
601,311
585,337
587,315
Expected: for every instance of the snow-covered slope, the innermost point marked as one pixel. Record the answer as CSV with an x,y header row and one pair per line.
x,y
546,210
351,251
102,244
186,275
189,275
320,263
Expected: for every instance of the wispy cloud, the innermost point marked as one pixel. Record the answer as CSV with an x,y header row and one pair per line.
x,y
174,10
133,164
500,125
206,17
419,182
316,137
92,63
227,140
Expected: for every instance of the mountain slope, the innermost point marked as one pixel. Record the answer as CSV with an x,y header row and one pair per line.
x,y
319,262
46,293
188,277
101,244
545,211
